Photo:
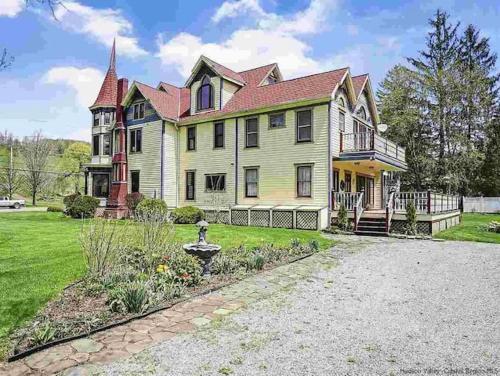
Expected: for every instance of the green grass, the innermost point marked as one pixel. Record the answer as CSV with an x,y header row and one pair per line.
x,y
40,255
473,228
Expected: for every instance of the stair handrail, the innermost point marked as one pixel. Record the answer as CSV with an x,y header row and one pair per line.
x,y
390,208
358,210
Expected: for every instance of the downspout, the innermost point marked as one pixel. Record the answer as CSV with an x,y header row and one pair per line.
x,y
329,159
236,153
220,94
162,156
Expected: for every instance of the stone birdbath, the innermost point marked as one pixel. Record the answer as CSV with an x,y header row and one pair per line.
x,y
202,249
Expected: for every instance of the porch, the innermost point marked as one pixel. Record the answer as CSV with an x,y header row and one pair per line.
x,y
435,212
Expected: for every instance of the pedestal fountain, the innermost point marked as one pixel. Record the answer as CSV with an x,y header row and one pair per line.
x,y
202,249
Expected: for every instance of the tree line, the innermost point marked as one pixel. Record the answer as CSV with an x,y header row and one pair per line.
x,y
28,167
443,106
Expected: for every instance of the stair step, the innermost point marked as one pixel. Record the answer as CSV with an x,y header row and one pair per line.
x,y
371,229
364,223
370,233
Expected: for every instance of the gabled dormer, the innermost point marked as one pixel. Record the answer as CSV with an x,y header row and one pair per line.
x,y
273,76
212,85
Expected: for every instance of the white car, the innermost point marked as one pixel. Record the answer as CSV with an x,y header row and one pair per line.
x,y
6,203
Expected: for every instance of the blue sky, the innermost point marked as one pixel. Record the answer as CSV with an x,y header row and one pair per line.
x,y
59,65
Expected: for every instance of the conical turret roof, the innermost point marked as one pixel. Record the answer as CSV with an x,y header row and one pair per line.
x,y
107,94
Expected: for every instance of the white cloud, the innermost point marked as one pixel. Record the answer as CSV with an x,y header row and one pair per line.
x,y
101,24
310,20
11,8
231,9
244,49
274,38
84,82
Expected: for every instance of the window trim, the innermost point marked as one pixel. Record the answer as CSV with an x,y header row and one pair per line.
x,y
132,172
215,191
138,105
187,138
211,99
276,113
297,141
223,135
134,138
297,166
256,168
256,132
187,198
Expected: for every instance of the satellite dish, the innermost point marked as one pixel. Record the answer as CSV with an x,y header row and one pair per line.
x,y
382,127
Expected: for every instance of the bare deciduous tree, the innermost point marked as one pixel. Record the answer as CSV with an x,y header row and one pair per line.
x,y
35,151
10,179
5,60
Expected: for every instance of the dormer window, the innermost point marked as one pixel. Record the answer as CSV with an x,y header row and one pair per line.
x,y
271,79
205,95
139,111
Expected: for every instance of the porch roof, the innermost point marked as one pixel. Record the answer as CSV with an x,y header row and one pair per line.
x,y
383,161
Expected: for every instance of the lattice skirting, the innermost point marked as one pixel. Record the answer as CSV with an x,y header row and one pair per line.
x,y
283,218
400,227
260,218
239,217
213,216
306,220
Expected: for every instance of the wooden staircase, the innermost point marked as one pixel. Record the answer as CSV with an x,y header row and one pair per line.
x,y
371,226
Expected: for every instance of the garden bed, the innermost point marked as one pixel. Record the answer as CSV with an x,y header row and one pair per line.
x,y
134,269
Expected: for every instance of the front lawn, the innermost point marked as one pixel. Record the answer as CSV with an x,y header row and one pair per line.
x,y
473,228
40,255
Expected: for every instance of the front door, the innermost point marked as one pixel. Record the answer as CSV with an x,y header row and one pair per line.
x,y
367,185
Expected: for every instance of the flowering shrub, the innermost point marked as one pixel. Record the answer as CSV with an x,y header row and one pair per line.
x,y
181,268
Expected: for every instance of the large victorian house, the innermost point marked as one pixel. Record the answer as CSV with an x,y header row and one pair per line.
x,y
253,148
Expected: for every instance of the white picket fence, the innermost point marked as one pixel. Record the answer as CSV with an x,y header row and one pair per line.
x,y
481,204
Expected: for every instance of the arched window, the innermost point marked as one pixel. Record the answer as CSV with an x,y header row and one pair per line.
x,y
341,102
205,95
362,113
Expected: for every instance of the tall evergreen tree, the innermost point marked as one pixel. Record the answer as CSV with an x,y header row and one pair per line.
x,y
403,105
436,68
490,171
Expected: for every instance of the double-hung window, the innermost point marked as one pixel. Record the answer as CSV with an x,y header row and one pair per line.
x,y
251,132
251,182
107,118
139,111
136,140
342,121
191,138
215,182
304,126
97,119
304,181
190,185
106,144
219,135
135,181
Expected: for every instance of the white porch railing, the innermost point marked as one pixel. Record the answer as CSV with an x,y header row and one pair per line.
x,y
348,199
427,202
370,141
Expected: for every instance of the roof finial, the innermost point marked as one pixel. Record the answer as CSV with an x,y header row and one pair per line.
x,y
112,59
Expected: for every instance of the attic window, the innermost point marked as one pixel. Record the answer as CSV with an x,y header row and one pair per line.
x,y
341,102
362,113
139,111
205,95
272,79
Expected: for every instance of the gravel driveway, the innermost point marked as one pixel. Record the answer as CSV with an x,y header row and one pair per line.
x,y
390,307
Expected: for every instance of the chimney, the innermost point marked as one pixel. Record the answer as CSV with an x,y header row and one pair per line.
x,y
120,94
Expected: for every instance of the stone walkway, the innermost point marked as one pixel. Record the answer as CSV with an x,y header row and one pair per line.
x,y
124,341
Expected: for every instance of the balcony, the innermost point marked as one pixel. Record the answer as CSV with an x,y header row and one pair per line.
x,y
369,145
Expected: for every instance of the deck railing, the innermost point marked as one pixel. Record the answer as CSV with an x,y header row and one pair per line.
x,y
427,202
348,199
370,141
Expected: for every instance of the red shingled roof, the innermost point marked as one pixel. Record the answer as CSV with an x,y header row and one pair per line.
x,y
107,94
224,71
251,96
165,103
359,83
